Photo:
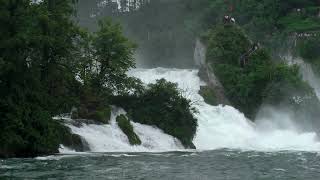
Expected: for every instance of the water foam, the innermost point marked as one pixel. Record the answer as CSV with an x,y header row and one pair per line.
x,y
110,138
226,127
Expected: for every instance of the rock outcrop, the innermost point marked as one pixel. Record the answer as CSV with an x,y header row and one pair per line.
x,y
206,73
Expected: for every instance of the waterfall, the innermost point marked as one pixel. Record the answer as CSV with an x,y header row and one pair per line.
x,y
218,126
110,138
199,53
224,126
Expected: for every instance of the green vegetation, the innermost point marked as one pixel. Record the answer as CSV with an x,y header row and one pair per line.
x,y
166,38
73,141
42,53
309,48
162,105
261,80
286,83
35,79
268,16
49,65
127,129
101,114
208,95
243,86
298,23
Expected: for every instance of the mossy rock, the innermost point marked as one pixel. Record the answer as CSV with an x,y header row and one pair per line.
x,y
127,129
209,95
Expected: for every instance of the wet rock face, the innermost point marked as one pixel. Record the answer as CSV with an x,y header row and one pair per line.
x,y
206,74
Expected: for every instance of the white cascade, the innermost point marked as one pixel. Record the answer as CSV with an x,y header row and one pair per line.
x,y
226,127
110,138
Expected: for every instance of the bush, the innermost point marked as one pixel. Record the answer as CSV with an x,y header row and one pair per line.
x,y
162,105
103,115
93,106
99,114
26,130
288,92
287,83
226,44
127,129
29,131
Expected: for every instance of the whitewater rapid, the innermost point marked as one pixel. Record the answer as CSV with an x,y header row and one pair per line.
x,y
110,138
224,126
218,126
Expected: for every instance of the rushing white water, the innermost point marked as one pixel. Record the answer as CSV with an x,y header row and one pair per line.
x,y
110,138
226,127
218,126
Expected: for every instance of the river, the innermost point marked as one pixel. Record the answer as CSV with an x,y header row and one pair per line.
x,y
221,164
229,147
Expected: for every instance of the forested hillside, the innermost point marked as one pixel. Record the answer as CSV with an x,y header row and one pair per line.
x,y
166,30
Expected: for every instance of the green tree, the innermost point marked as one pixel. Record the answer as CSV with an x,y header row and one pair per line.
x,y
113,56
57,49
105,57
29,61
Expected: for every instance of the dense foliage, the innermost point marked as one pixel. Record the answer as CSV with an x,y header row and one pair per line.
x,y
35,79
127,129
161,104
168,38
106,57
261,80
308,49
49,65
42,56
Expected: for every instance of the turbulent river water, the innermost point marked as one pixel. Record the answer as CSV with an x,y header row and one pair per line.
x,y
228,146
209,165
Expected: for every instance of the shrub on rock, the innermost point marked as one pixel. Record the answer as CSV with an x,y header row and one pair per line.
x,y
127,129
